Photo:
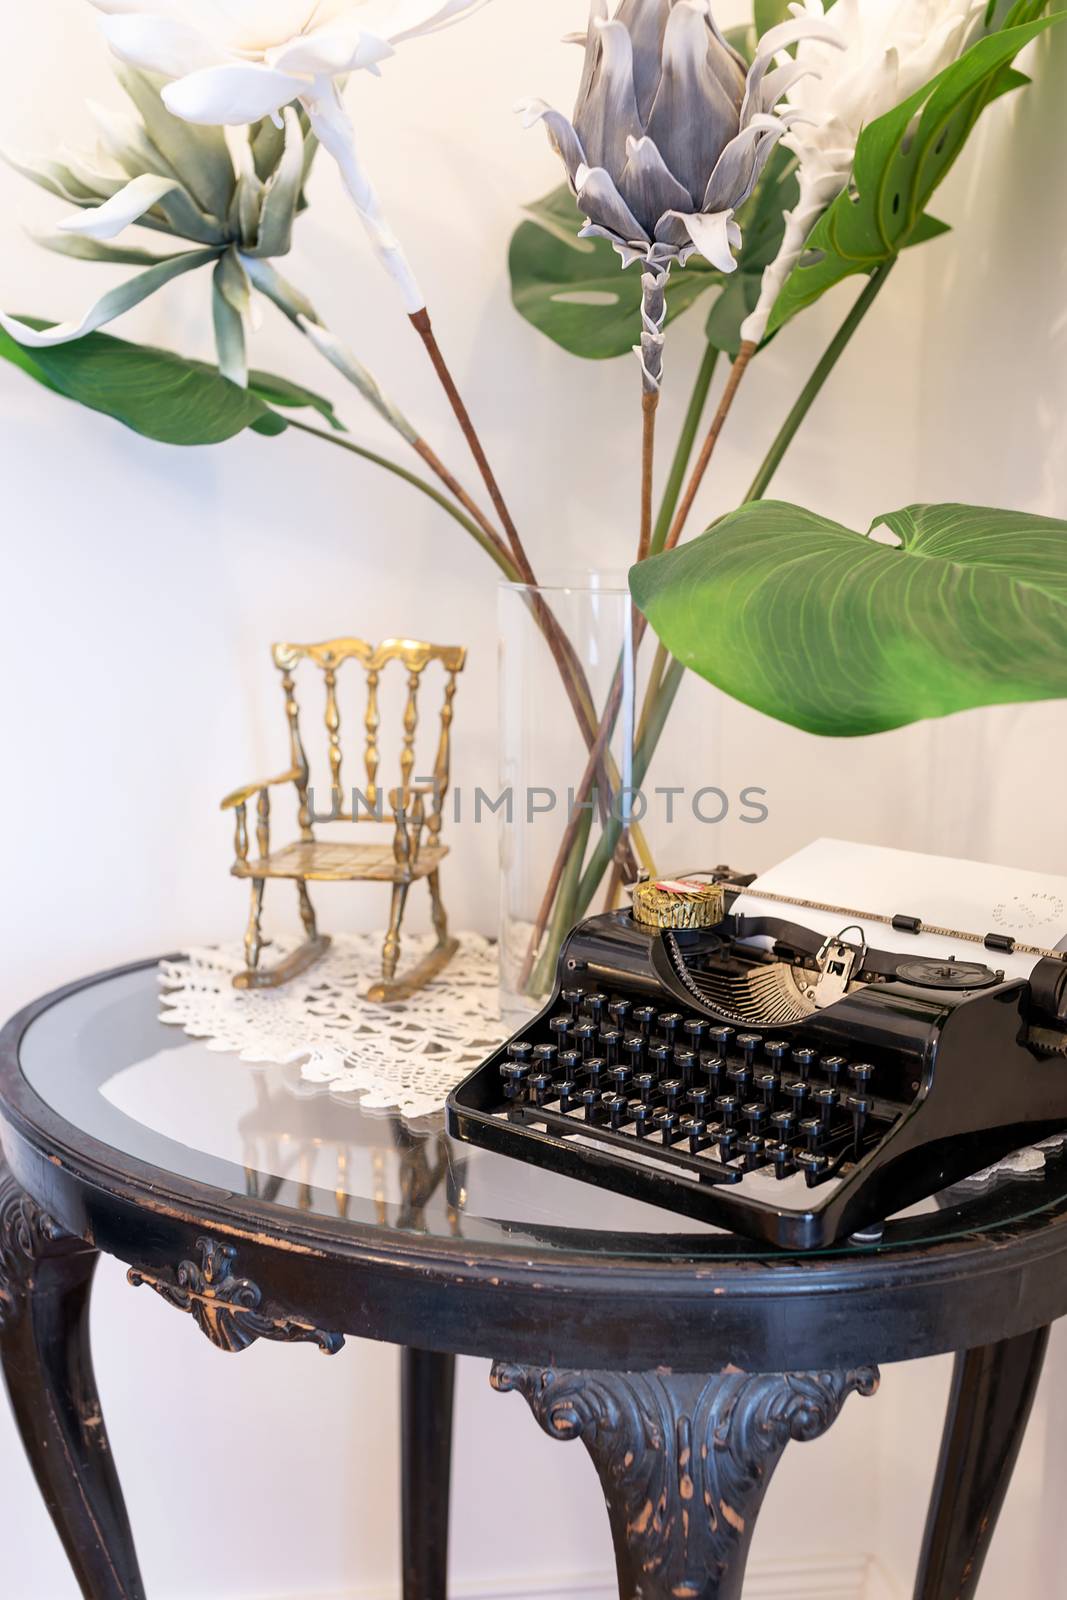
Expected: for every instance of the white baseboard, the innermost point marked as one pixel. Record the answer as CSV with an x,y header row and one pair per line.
x,y
850,1577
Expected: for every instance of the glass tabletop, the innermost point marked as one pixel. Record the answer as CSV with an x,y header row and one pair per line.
x,y
104,1061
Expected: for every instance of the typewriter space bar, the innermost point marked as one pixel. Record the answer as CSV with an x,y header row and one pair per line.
x,y
644,1151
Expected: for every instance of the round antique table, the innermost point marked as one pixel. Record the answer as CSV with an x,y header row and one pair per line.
x,y
685,1359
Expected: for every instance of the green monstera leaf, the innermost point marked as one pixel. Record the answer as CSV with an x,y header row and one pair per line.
x,y
825,628
576,292
157,393
900,159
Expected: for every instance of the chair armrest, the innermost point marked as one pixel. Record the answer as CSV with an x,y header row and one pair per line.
x,y
241,797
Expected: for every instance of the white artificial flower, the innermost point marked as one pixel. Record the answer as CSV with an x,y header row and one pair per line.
x,y
887,50
233,62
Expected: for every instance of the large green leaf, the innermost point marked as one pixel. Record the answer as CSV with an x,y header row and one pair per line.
x,y
576,292
823,627
157,393
900,160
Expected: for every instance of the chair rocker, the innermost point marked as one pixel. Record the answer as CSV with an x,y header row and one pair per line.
x,y
415,809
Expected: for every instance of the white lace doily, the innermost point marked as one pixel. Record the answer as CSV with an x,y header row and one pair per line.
x,y
405,1057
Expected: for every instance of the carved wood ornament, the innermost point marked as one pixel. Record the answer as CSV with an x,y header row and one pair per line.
x,y
229,1310
26,1232
684,1461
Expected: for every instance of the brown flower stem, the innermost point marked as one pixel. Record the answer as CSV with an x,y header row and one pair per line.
x,y
737,372
570,668
649,407
420,321
469,504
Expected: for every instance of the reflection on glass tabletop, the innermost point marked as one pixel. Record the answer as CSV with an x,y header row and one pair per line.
x,y
103,1061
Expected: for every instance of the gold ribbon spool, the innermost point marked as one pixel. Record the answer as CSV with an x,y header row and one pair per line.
x,y
678,903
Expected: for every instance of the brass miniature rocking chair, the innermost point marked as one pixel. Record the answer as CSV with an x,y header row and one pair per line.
x,y
416,851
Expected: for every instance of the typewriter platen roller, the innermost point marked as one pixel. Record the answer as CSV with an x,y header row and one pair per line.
x,y
752,1073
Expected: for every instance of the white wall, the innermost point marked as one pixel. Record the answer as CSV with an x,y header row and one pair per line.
x,y
143,586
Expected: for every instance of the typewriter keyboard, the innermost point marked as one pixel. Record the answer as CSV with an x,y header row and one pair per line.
x,y
717,1102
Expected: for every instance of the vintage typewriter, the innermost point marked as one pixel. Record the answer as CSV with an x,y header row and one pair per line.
x,y
786,1085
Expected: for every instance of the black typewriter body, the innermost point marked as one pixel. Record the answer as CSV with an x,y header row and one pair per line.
x,y
758,1077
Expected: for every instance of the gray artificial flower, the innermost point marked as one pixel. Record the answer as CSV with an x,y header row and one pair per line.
x,y
670,133
230,208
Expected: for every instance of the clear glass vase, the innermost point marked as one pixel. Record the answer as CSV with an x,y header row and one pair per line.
x,y
565,810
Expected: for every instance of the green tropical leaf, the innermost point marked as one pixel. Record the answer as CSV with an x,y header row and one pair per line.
x,y
293,396
822,627
154,392
900,159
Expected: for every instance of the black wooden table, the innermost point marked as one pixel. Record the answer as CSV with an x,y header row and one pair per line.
x,y
685,1361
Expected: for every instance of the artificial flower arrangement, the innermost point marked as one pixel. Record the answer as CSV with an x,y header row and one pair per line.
x,y
764,165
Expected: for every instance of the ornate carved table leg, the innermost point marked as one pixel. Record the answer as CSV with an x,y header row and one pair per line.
x,y
427,1383
992,1392
684,1461
45,1283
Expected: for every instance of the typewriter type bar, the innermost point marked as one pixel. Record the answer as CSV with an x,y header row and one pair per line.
x,y
695,1070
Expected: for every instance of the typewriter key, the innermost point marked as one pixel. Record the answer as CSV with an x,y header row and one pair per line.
x,y
586,1036
698,1136
674,1089
569,1063
720,1037
812,1129
768,1084
777,1051
835,1067
542,1084
643,1018
700,1099
545,1055
520,1051
620,1077
634,1049
861,1075
595,1069
751,1150
660,1056
755,1115
668,1124
740,1077
781,1159
727,1142
727,1105
567,1091
645,1084
560,1027
813,1166
712,1066
826,1100
618,1110
696,1031
804,1058
594,1004
590,1099
644,1121
573,999
610,1040
784,1124
748,1044
514,1074
685,1064
620,1010
669,1023
797,1091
